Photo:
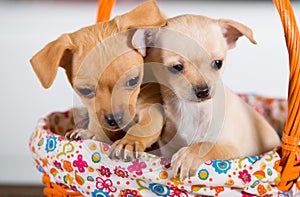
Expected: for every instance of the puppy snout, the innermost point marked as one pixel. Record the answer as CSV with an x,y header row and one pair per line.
x,y
201,91
114,120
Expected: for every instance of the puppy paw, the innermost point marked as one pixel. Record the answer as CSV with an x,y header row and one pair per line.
x,y
78,134
187,160
126,150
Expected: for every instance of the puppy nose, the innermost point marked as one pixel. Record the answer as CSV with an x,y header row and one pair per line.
x,y
114,120
201,92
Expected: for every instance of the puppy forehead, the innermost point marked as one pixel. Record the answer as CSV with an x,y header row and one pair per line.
x,y
198,34
98,72
127,64
97,40
92,35
96,55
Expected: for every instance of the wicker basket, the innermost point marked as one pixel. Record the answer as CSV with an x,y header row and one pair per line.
x,y
274,173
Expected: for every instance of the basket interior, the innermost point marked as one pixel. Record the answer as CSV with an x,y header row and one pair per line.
x,y
273,109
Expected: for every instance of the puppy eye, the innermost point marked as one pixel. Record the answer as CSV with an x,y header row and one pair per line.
x,y
217,64
133,81
176,69
86,92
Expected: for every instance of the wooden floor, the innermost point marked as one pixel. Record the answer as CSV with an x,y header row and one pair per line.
x,y
21,190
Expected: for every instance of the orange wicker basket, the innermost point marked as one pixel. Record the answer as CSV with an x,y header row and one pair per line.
x,y
290,139
289,152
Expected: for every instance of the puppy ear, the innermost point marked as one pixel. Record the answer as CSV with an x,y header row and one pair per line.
x,y
143,38
46,61
145,15
232,30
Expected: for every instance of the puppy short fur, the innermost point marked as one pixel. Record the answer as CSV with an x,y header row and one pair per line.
x,y
106,72
204,119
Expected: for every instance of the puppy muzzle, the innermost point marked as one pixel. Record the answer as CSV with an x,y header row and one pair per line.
x,y
201,92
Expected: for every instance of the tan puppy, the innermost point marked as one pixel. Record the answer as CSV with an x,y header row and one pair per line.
x,y
205,120
106,72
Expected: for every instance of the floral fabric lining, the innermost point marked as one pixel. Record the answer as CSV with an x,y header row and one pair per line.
x,y
85,167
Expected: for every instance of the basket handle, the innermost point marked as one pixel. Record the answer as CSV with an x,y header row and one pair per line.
x,y
290,139
104,10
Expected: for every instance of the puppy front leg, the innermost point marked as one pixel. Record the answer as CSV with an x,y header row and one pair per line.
x,y
141,135
188,159
83,123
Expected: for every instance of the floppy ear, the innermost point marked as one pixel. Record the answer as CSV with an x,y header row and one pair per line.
x,y
46,61
145,15
232,30
143,38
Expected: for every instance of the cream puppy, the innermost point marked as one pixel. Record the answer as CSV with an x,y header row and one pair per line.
x,y
106,72
205,120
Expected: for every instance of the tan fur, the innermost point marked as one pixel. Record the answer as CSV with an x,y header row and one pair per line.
x,y
100,59
219,126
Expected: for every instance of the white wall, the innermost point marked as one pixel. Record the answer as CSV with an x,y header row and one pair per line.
x,y
27,27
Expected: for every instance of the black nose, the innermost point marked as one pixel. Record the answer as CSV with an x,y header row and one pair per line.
x,y
114,120
201,92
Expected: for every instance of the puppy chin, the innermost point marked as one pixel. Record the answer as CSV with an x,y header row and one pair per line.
x,y
200,100
204,99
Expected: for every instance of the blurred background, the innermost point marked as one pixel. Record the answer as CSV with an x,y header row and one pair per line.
x,y
26,26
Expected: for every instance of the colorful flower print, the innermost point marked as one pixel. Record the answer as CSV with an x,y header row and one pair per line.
x,y
51,144
53,172
99,193
269,172
96,157
277,165
203,174
230,182
80,164
218,189
260,174
105,185
120,172
137,167
84,166
79,179
175,192
253,159
244,176
68,179
67,166
159,190
104,147
103,171
90,178
176,181
58,165
244,194
221,166
261,190
166,162
129,193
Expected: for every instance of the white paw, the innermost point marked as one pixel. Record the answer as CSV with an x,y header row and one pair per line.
x,y
185,162
78,134
126,150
